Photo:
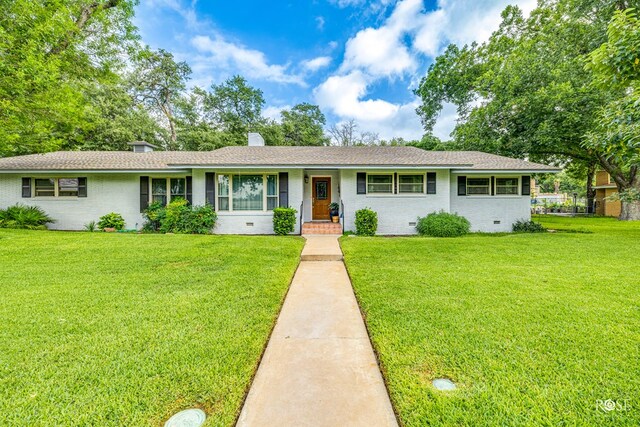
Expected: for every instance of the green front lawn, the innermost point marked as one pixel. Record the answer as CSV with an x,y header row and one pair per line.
x,y
125,329
534,328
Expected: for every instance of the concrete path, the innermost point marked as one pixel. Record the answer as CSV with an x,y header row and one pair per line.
x,y
319,368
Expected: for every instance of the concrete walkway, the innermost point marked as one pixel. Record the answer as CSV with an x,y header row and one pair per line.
x,y
319,368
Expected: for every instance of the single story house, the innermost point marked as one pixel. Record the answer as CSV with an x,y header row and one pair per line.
x,y
245,183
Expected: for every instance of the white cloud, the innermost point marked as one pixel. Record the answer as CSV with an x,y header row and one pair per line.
x,y
378,51
446,122
250,62
272,112
320,23
343,95
316,63
461,22
396,48
382,51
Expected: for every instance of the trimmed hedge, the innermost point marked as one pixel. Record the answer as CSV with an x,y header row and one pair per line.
x,y
27,217
284,220
366,222
524,226
443,224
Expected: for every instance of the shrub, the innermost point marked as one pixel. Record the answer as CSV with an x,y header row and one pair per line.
x,y
27,217
91,226
153,215
284,220
523,226
111,220
366,222
179,217
443,224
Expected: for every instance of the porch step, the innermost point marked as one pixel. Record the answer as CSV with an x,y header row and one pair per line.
x,y
321,228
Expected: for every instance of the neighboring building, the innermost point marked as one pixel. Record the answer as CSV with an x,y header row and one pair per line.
x,y
245,183
605,188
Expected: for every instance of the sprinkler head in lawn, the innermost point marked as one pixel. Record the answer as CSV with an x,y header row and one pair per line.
x,y
443,384
187,418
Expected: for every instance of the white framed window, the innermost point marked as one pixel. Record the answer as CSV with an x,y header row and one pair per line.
x,y
478,186
272,192
411,183
223,193
56,187
379,184
45,187
507,186
163,190
247,192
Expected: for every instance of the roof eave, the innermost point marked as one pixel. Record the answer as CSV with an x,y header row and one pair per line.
x,y
94,171
312,166
550,170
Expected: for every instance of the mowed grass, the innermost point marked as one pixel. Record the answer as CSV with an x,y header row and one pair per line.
x,y
125,330
535,329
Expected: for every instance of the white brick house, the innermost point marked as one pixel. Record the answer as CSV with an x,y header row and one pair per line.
x,y
245,183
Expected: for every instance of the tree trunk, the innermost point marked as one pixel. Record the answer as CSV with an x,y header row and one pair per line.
x,y
629,209
591,192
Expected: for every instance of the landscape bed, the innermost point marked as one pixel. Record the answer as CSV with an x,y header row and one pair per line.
x,y
124,329
535,329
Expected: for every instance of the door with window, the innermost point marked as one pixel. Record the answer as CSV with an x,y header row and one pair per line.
x,y
321,193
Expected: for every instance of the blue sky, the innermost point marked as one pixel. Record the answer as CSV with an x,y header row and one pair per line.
x,y
357,59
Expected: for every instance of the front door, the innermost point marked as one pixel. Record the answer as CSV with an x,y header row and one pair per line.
x,y
321,198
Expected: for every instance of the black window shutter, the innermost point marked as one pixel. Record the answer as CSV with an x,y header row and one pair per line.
x,y
362,183
395,183
431,183
189,190
283,190
26,187
462,186
493,185
144,193
210,188
526,185
82,187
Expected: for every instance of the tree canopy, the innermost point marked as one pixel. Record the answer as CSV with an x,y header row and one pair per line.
x,y
527,93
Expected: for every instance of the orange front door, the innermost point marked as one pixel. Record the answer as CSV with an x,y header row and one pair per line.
x,y
321,188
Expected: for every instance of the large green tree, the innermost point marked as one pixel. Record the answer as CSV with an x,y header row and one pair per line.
x,y
616,136
526,92
49,50
304,125
159,82
113,118
234,108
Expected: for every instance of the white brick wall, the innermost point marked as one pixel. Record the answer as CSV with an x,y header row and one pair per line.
x,y
105,193
121,193
249,222
483,211
395,211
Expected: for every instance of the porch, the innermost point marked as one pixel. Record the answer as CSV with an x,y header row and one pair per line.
x,y
321,189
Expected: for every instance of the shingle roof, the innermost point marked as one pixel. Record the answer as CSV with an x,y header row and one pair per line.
x,y
267,156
